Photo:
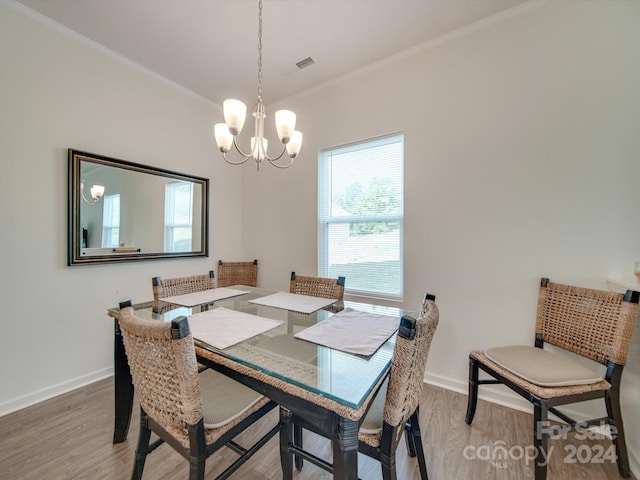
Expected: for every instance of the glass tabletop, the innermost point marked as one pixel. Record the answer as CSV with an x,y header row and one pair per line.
x,y
343,377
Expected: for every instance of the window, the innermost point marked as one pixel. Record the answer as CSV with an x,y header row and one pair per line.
x,y
361,215
111,221
178,216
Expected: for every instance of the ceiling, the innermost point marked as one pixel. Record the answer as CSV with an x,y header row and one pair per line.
x,y
210,46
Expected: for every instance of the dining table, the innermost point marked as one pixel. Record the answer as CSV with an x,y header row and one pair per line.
x,y
244,333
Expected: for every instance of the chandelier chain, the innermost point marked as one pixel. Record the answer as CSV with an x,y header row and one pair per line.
x,y
260,51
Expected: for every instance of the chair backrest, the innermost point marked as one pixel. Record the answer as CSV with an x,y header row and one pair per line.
x,y
317,286
237,273
163,366
168,287
596,324
406,377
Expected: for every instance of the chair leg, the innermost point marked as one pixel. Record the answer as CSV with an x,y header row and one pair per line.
x,y
414,444
612,400
388,463
540,440
196,469
297,440
472,399
142,449
386,453
197,450
389,469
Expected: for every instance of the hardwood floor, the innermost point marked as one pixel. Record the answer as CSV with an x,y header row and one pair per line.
x,y
69,437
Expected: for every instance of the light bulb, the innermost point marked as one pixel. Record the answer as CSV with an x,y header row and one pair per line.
x,y
97,191
295,144
224,139
285,124
235,113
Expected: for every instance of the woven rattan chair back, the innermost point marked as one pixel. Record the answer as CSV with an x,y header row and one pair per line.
x,y
237,273
164,370
168,287
596,324
408,365
317,286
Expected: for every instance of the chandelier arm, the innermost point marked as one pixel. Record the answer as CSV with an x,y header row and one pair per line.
x,y
280,166
235,144
273,160
240,162
87,201
239,150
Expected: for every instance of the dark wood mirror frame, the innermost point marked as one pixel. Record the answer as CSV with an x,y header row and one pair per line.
x,y
149,183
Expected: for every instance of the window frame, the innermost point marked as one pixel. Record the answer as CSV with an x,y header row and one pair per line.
x,y
108,228
325,221
169,214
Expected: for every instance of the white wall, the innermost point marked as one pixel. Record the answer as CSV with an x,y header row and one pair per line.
x,y
521,161
55,93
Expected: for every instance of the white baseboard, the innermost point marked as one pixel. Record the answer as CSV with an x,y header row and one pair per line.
x,y
507,398
53,391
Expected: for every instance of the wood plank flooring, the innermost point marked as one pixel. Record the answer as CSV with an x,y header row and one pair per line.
x,y
69,438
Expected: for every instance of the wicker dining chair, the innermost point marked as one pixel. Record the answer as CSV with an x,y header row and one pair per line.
x,y
195,413
317,286
595,324
169,287
395,408
237,273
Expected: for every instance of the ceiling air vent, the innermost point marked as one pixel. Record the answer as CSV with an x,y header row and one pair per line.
x,y
307,62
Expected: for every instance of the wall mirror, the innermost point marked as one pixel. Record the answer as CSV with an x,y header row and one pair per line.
x,y
121,211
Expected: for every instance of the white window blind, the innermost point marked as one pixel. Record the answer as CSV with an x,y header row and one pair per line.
x,y
361,215
178,217
111,221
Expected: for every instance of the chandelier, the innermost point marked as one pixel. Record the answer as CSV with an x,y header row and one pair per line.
x,y
234,116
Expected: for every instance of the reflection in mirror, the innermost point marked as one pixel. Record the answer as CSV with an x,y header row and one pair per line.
x,y
122,211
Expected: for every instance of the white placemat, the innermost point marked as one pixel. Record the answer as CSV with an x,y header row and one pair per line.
x,y
222,327
294,301
205,296
352,331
